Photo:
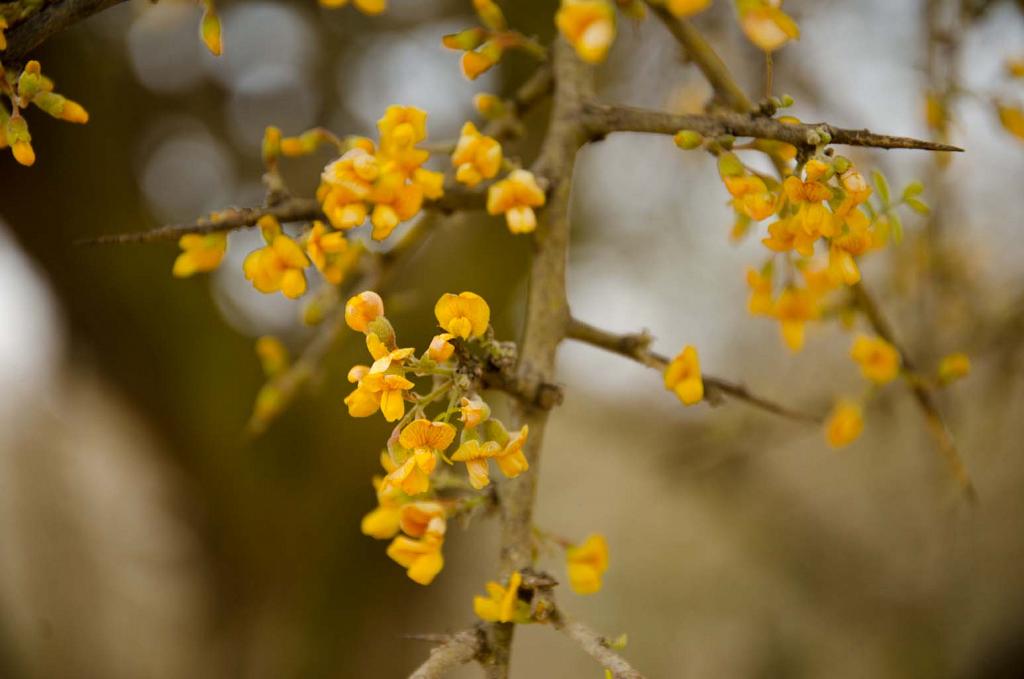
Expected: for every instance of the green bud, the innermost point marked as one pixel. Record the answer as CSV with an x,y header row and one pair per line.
x,y
688,139
729,165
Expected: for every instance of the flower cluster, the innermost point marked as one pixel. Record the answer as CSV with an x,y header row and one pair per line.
x,y
412,496
483,46
30,87
821,219
590,25
822,224
585,565
388,183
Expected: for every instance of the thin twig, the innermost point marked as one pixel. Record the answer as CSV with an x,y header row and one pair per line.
x,y
288,210
603,119
288,383
595,645
637,348
700,52
458,649
922,394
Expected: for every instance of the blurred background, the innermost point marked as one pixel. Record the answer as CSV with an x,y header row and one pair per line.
x,y
143,535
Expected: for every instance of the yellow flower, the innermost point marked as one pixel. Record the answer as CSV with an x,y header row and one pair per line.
x,y
515,196
440,348
793,308
786,234
272,354
415,517
426,436
812,216
687,8
502,604
682,376
464,315
363,309
474,411
476,156
475,455
751,196
15,134
346,184
1012,119
402,126
431,183
953,367
586,563
379,391
844,424
384,357
478,61
765,24
424,440
209,29
330,252
413,475
200,253
364,6
383,522
393,206
1015,67
760,302
278,267
511,459
879,361
857,188
421,558
587,25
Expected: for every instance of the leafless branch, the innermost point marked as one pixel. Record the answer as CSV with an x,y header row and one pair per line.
x,y
603,119
595,645
456,649
637,348
922,394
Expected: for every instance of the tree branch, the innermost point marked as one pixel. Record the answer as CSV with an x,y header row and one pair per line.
x,y
637,348
544,328
603,119
700,52
48,18
288,383
288,210
595,645
922,394
457,649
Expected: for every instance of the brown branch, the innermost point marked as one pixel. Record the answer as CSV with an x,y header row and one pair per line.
x,y
700,52
288,383
456,198
231,219
49,18
922,394
546,317
595,645
637,348
456,649
603,119
289,210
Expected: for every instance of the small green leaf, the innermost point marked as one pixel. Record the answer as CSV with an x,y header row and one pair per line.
x,y
913,189
917,205
897,227
882,185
